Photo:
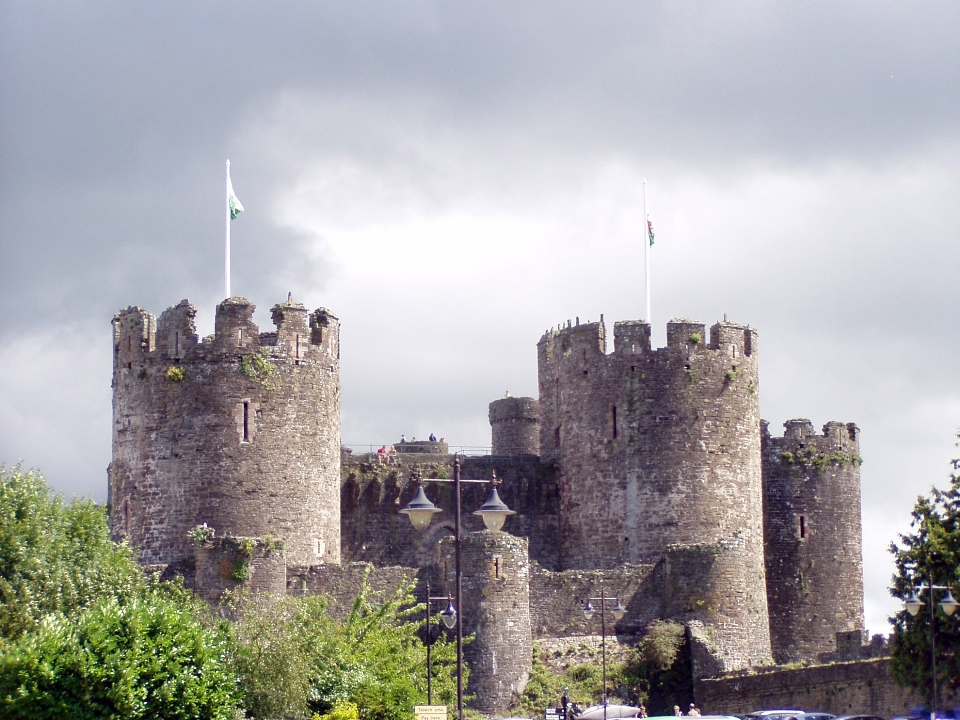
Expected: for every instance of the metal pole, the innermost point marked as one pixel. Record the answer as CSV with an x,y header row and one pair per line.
x,y
429,644
603,646
933,648
456,542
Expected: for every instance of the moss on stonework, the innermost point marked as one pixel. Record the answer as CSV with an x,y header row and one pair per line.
x,y
258,368
812,458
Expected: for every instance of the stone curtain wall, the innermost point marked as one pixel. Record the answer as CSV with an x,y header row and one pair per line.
x,y
557,599
240,431
812,529
659,448
855,687
372,494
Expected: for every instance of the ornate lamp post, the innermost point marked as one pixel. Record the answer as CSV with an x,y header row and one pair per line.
x,y
948,605
618,612
494,513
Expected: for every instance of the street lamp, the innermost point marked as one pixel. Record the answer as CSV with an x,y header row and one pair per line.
x,y
494,513
449,618
618,612
949,606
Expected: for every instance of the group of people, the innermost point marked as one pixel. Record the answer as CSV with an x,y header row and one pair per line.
x,y
694,711
387,456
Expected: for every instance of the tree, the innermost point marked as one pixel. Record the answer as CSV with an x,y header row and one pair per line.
x,y
931,550
83,634
148,656
54,557
293,656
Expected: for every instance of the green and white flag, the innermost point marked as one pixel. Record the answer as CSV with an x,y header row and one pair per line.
x,y
232,200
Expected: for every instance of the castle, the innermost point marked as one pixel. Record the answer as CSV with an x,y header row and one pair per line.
x,y
647,470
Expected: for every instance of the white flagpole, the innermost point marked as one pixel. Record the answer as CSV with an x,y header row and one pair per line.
x,y
226,248
646,249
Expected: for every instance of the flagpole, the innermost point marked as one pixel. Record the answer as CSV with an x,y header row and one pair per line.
x,y
226,247
646,250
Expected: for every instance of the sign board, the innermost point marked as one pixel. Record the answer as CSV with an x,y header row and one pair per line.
x,y
430,712
552,714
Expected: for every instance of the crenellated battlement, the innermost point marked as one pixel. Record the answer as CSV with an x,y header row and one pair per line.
x,y
838,443
300,337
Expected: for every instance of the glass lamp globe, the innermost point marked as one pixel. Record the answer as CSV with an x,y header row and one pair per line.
x,y
449,615
949,603
619,611
913,604
420,510
494,512
588,610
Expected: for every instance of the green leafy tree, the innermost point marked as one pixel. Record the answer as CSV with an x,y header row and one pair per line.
x,y
54,557
294,657
147,656
83,634
930,550
658,673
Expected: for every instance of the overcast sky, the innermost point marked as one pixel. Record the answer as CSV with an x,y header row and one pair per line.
x,y
453,178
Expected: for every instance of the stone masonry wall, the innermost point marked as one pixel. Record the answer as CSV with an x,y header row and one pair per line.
x,y
496,591
372,495
515,425
863,687
240,431
812,530
222,564
659,448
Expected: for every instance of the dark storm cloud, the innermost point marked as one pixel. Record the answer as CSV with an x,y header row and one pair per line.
x,y
116,117
805,158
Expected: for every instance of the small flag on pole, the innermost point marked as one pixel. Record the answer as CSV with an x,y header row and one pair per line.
x,y
235,207
650,235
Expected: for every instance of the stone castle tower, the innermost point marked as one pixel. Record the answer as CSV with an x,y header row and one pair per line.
x,y
813,534
240,430
657,450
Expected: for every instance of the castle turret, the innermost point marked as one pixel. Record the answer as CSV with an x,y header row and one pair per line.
x,y
515,423
661,448
812,527
496,609
240,431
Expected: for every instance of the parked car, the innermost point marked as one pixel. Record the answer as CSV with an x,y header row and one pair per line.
x,y
858,717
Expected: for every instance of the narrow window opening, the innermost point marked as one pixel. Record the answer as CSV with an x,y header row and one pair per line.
x,y
802,526
556,435
129,344
246,422
176,344
496,567
239,337
633,368
297,349
733,351
613,421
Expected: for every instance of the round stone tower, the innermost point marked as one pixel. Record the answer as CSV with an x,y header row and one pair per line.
x,y
496,608
811,495
240,431
657,449
515,424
